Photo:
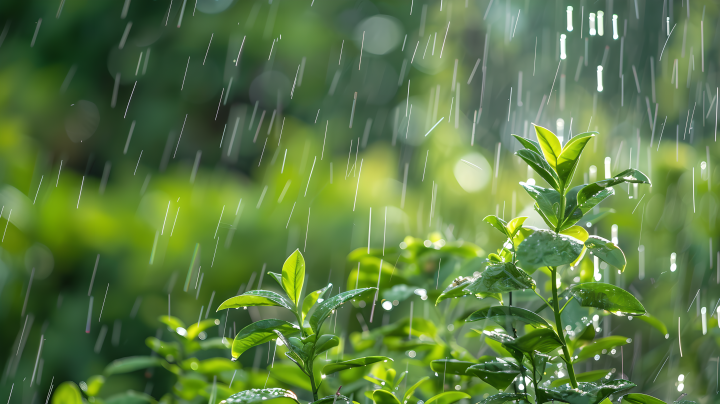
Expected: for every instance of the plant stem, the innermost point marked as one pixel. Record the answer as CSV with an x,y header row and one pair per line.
x,y
559,327
311,373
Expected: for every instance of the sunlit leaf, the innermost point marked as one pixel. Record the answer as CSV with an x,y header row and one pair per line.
x,y
132,363
256,298
67,393
508,317
577,232
172,322
276,276
540,166
630,175
637,398
313,297
457,289
545,248
597,347
501,278
384,397
497,374
543,340
497,223
353,363
514,225
196,328
591,376
570,156
606,251
607,297
260,332
254,396
549,144
447,397
293,276
94,384
323,310
529,144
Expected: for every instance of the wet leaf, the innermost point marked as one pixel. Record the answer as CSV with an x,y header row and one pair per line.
x,y
293,276
497,374
545,248
277,277
326,342
508,317
131,364
260,332
543,340
529,144
256,298
575,212
447,397
577,232
255,396
586,393
501,278
313,297
353,363
409,392
501,398
537,362
540,166
597,346
570,156
334,399
515,225
606,251
384,397
549,144
630,175
497,223
607,297
67,393
323,310
547,200
653,321
591,376
637,398
451,366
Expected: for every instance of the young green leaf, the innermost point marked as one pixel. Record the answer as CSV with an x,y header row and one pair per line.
x,y
549,144
255,396
545,248
276,276
130,396
457,289
67,393
260,332
597,346
606,251
630,175
353,363
173,323
163,348
131,364
540,166
293,276
409,392
501,278
529,144
447,397
607,297
94,384
586,393
591,376
654,322
323,310
502,398
543,340
497,374
575,212
384,397
196,328
577,232
638,398
295,350
508,317
547,200
497,223
451,366
334,399
256,298
326,342
537,363
570,156
313,297
514,226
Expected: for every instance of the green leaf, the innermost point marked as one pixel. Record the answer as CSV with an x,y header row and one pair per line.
x,y
384,397
293,276
67,393
549,144
94,384
451,366
130,397
653,321
409,392
256,298
132,363
323,310
197,328
334,399
255,396
637,398
172,322
515,225
497,374
501,398
353,363
577,232
529,144
540,166
597,346
586,393
276,276
313,297
212,366
591,376
607,297
163,348
547,200
575,212
630,175
570,156
326,342
457,289
501,278
497,223
606,251
260,332
537,363
508,317
447,397
545,248
543,340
